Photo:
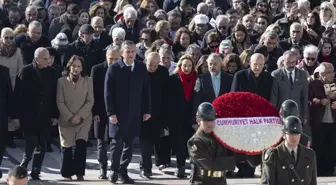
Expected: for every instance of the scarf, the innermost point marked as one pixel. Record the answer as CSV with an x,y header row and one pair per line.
x,y
188,82
7,51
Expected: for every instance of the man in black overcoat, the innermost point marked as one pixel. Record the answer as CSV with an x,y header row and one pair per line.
x,y
98,73
127,101
6,94
257,81
35,104
156,126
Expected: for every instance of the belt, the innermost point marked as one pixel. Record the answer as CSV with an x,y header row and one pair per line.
x,y
213,174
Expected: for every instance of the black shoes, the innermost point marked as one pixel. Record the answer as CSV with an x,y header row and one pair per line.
x,y
145,174
113,177
102,174
35,177
180,173
0,174
126,179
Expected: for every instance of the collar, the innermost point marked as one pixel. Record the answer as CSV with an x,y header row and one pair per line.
x,y
217,76
287,71
96,37
290,149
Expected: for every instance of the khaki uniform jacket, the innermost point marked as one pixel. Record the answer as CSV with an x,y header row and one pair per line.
x,y
74,99
276,166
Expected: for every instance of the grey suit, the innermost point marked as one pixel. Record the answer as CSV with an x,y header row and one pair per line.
x,y
297,92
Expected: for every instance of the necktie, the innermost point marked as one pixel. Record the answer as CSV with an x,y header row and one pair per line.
x,y
129,68
291,78
293,155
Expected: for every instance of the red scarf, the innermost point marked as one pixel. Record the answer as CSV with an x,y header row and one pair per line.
x,y
188,82
325,59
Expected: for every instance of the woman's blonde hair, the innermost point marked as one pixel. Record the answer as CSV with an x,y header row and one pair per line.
x,y
244,57
159,25
179,63
144,3
120,5
21,28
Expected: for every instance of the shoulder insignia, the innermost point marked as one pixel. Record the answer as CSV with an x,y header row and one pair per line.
x,y
268,154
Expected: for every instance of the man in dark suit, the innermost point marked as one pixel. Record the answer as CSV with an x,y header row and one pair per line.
x,y
98,73
254,79
5,107
296,32
35,95
127,101
100,34
211,85
257,81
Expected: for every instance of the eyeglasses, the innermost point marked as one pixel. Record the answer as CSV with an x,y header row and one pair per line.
x,y
8,38
311,59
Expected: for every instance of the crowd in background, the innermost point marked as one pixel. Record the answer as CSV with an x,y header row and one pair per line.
x,y
121,69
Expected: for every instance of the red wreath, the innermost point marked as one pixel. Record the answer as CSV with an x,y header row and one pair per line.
x,y
242,104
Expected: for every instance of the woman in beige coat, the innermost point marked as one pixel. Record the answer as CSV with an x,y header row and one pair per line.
x,y
10,56
74,101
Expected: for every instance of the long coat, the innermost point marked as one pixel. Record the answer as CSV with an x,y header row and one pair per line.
x,y
98,73
127,95
74,99
245,81
158,85
35,97
276,170
61,23
298,92
6,97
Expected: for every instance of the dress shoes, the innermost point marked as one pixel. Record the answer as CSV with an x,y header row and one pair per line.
x,y
102,174
113,177
80,178
180,173
126,179
145,174
35,177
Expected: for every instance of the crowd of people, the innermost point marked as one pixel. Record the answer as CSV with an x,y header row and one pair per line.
x,y
123,69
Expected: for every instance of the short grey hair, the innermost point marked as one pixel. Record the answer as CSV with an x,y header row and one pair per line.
x,y
296,24
126,43
311,49
221,18
30,7
118,33
112,48
34,24
6,29
303,3
151,55
55,7
130,12
323,66
193,46
280,62
165,48
214,56
201,5
288,53
38,51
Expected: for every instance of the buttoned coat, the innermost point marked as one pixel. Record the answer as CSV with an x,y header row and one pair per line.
x,y
74,99
127,95
277,162
6,97
297,92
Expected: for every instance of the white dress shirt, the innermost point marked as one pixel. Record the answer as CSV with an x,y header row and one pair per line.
x,y
132,68
293,75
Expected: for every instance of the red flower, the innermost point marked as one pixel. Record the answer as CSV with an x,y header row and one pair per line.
x,y
243,104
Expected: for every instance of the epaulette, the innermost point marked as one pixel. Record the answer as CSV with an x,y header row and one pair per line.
x,y
267,155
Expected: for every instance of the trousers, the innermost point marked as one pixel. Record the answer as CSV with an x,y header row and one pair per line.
x,y
34,145
162,151
2,150
121,153
102,153
73,163
147,147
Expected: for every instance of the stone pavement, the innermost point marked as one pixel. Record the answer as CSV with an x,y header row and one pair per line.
x,y
50,173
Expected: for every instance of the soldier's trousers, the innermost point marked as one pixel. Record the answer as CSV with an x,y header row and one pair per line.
x,y
74,163
324,144
34,145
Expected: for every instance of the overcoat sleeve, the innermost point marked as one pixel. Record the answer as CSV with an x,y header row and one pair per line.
x,y
18,94
63,109
235,83
314,174
9,94
146,94
95,90
86,109
109,91
269,168
305,98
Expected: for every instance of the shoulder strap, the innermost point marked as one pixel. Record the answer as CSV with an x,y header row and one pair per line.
x,y
291,166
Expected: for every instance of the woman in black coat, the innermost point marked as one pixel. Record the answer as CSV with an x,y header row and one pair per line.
x,y
181,87
5,107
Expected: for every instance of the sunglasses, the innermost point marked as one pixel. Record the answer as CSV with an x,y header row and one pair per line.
x,y
9,38
221,27
311,59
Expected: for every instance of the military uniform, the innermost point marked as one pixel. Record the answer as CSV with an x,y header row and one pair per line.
x,y
284,167
209,160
